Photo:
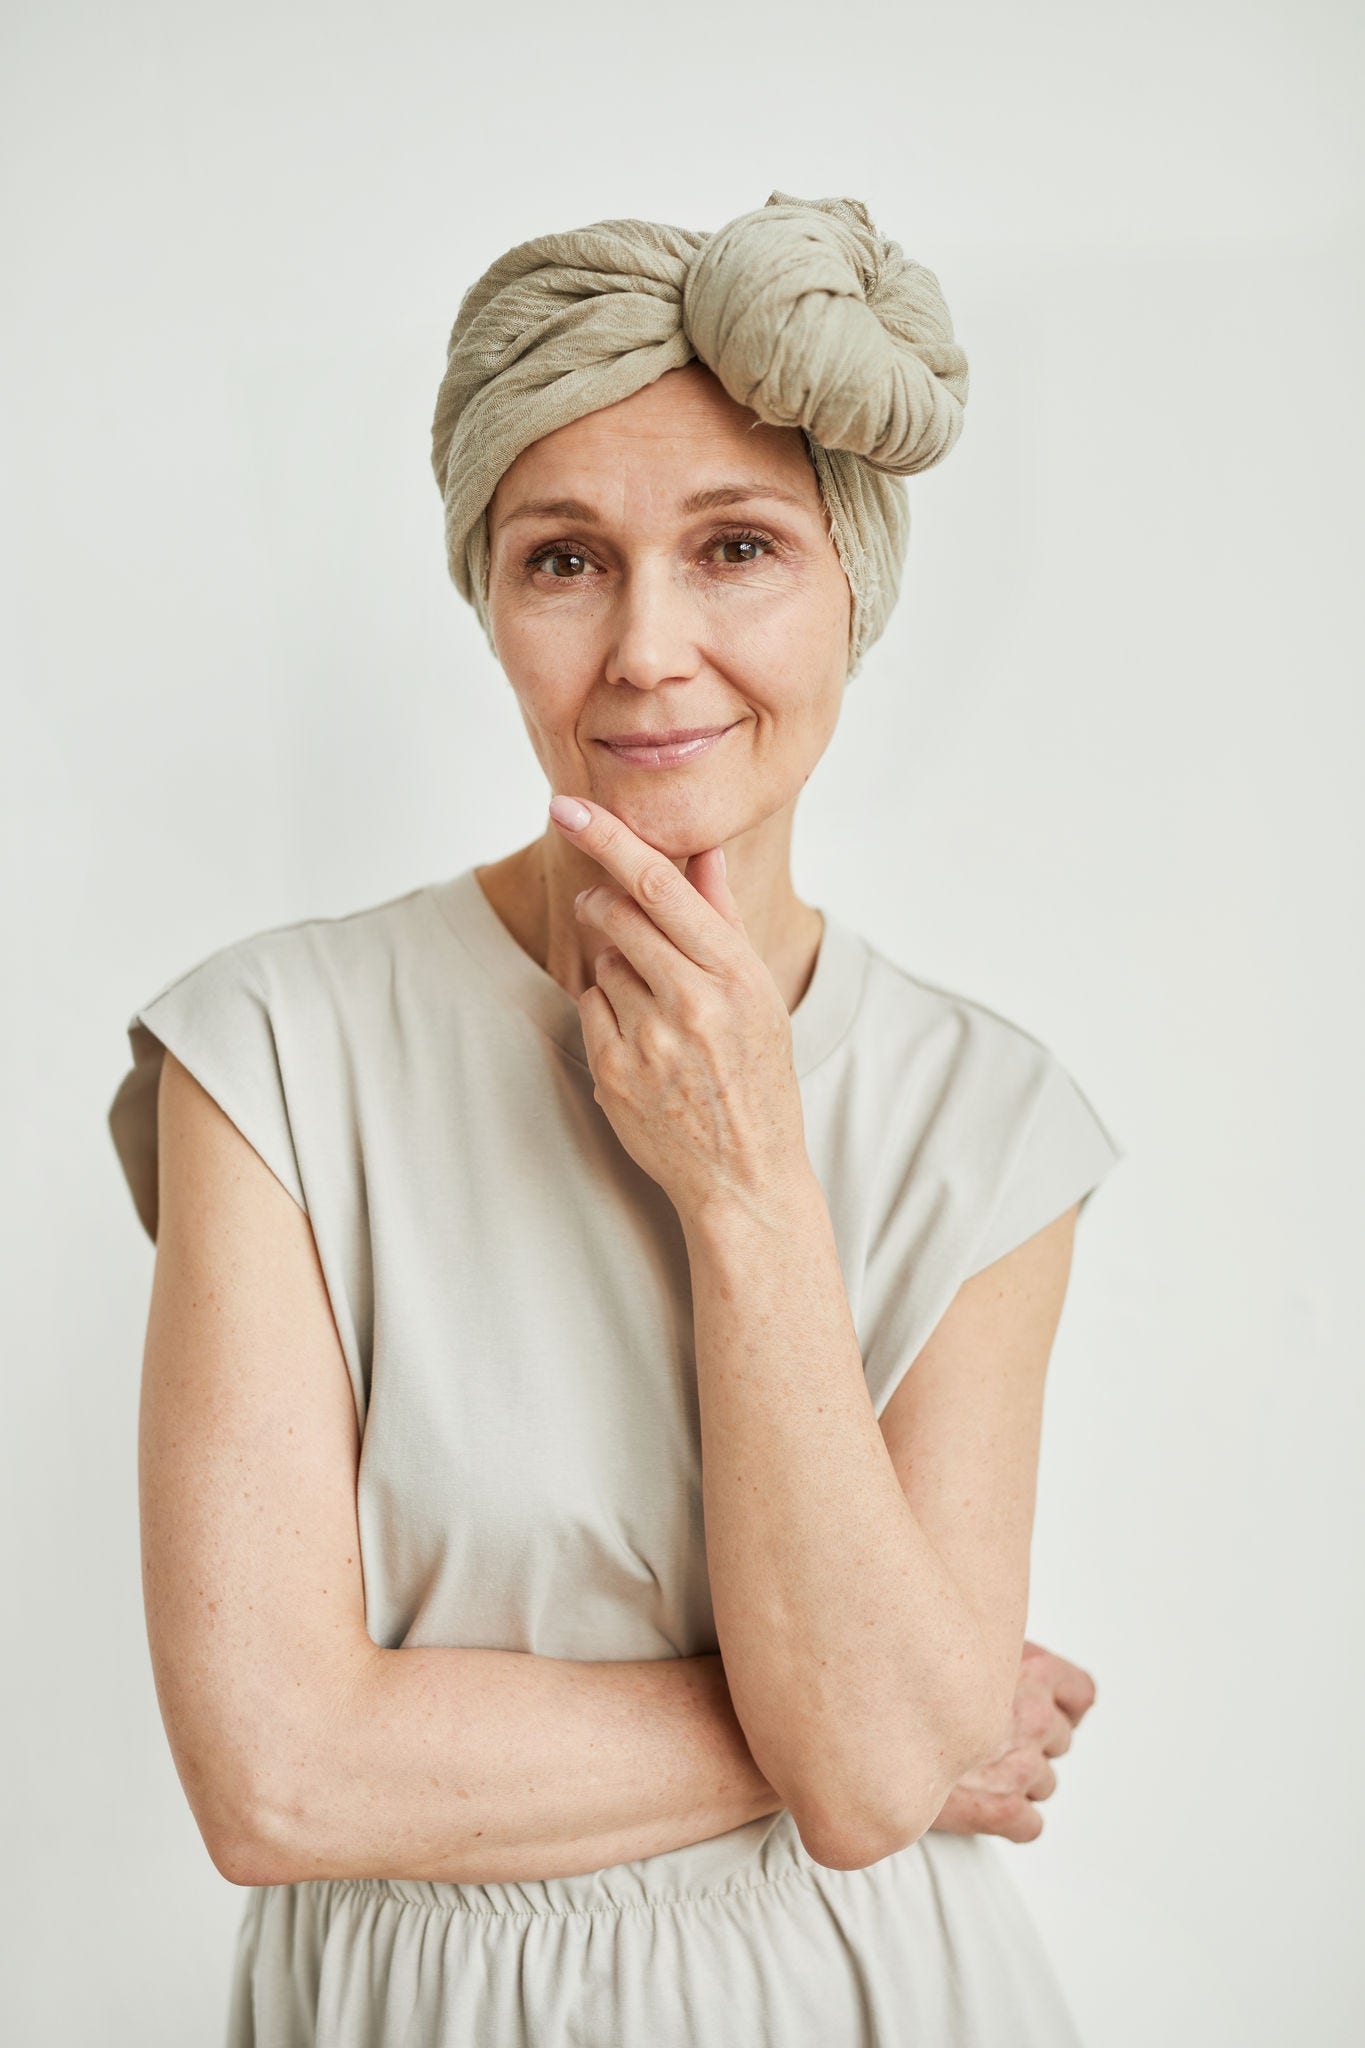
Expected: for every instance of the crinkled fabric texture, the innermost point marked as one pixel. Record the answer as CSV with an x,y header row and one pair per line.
x,y
803,311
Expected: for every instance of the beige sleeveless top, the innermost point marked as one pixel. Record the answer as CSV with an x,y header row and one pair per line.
x,y
512,1296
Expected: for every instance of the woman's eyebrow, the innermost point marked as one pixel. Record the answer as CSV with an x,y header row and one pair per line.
x,y
698,501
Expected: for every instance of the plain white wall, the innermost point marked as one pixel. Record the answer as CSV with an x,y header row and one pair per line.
x,y
1100,773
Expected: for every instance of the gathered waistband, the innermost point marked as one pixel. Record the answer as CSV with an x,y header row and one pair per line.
x,y
762,1853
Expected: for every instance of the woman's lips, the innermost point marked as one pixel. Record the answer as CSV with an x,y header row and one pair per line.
x,y
666,753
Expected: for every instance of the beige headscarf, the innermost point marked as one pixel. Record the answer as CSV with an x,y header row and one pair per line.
x,y
803,311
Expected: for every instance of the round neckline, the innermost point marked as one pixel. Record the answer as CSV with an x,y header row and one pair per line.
x,y
819,1021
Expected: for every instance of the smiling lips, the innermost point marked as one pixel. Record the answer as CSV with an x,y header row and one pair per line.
x,y
664,749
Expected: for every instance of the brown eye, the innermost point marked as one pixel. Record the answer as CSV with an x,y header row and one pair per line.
x,y
563,556
752,541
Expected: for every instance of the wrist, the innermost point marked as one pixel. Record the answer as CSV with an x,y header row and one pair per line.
x,y
727,1217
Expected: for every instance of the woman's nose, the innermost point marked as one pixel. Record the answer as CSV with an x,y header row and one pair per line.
x,y
654,626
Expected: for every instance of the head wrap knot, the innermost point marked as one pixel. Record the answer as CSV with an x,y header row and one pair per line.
x,y
804,313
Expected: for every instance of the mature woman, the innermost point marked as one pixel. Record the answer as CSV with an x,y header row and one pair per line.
x,y
570,1613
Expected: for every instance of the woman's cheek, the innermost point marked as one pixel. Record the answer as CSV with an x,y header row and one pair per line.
x,y
539,640
782,641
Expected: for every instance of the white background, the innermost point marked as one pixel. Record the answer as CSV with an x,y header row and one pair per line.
x,y
1102,773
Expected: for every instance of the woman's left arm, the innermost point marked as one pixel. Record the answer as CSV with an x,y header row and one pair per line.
x,y
869,1579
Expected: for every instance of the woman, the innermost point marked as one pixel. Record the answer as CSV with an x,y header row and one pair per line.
x,y
539,1272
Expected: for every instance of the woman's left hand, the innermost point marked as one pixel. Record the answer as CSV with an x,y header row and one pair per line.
x,y
1000,1795
686,1032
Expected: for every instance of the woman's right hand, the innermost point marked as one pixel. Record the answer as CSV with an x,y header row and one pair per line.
x,y
999,1796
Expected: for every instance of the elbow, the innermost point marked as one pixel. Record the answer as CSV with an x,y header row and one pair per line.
x,y
271,1816
260,1847
277,1841
263,1785
839,1839
251,1839
240,1849
851,1832
845,1847
239,1858
845,1834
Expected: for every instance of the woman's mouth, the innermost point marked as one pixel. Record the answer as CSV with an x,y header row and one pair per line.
x,y
665,749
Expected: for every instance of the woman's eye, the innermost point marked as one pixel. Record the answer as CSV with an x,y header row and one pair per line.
x,y
562,555
745,548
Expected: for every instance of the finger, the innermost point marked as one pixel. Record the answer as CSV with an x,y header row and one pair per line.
x,y
1042,1782
1020,1821
1072,1687
1037,1719
1009,1775
1035,1709
1008,1814
652,955
1074,1690
1005,1798
623,988
602,1036
1061,1729
706,872
681,912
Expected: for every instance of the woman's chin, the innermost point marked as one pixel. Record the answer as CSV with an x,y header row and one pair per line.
x,y
674,824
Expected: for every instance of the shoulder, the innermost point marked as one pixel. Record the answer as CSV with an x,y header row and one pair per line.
x,y
981,1103
327,952
961,1135
305,970
944,1038
280,1026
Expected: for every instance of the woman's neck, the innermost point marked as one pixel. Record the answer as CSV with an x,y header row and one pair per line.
x,y
532,891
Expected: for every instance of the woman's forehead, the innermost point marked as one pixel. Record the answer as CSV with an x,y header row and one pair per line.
x,y
681,440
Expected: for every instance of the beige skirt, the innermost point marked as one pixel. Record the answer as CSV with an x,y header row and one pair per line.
x,y
739,1942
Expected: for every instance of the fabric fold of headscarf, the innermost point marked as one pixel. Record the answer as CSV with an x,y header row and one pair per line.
x,y
804,313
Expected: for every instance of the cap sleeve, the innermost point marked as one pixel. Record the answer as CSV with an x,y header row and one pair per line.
x,y
216,1019
1062,1154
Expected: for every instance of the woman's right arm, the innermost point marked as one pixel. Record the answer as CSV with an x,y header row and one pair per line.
x,y
306,1750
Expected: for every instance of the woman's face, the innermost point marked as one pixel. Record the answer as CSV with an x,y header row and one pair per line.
x,y
622,604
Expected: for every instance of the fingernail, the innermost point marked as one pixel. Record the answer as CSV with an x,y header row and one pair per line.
x,y
568,811
721,851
